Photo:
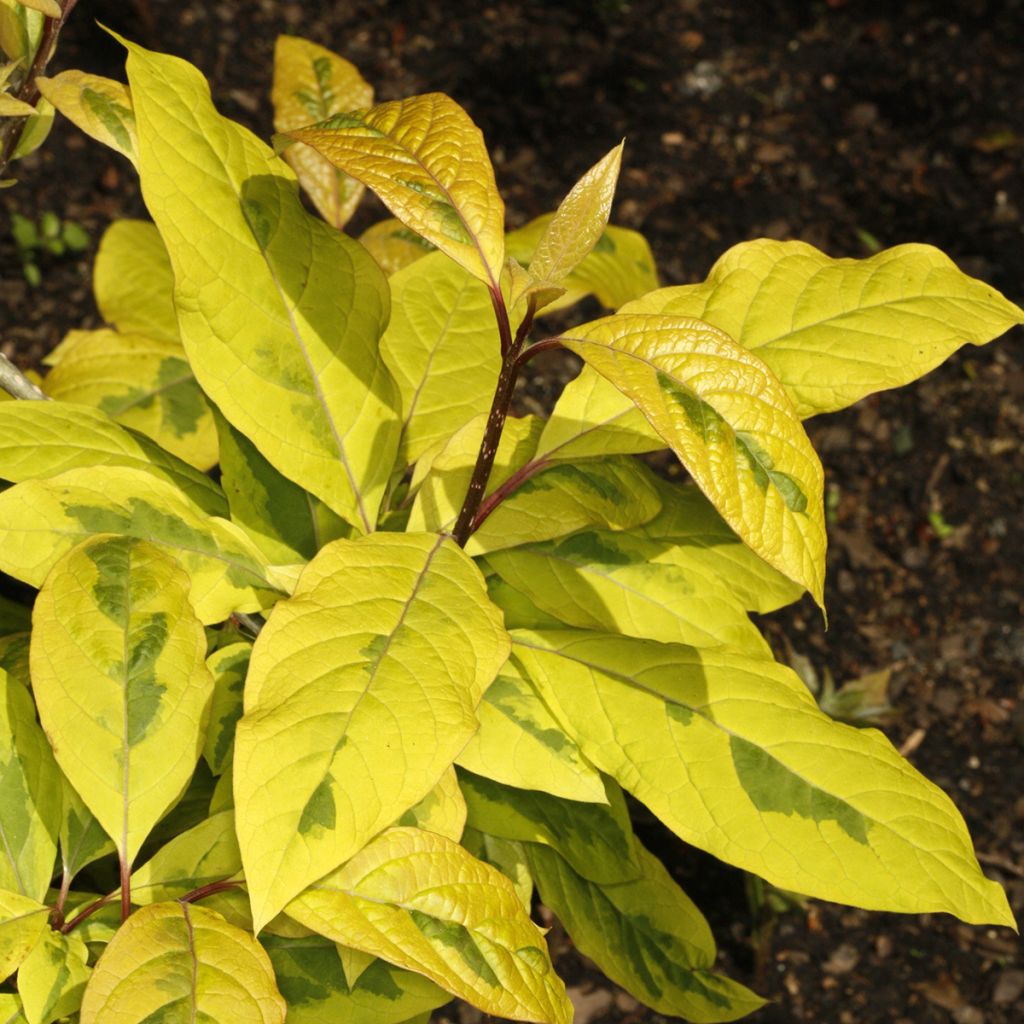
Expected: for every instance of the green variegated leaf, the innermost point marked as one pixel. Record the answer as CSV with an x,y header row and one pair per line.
x,y
100,107
133,281
276,310
688,533
520,612
14,657
120,681
286,522
52,978
82,839
353,961
393,245
30,795
43,519
731,424
442,475
646,935
387,647
611,494
22,922
834,331
442,348
736,758
592,418
175,961
620,267
14,618
442,810
206,853
223,796
426,160
607,581
596,838
577,225
520,743
142,383
312,979
508,856
228,666
311,83
422,902
41,439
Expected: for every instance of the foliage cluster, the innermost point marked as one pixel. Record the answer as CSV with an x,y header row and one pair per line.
x,y
334,661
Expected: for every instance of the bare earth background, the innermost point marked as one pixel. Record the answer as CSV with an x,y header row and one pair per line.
x,y
840,123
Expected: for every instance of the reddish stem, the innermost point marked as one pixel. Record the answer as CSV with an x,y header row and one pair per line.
x,y
541,346
493,500
85,912
208,890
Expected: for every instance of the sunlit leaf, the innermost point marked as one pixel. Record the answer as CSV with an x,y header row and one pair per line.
x,y
52,978
442,810
228,665
22,921
100,107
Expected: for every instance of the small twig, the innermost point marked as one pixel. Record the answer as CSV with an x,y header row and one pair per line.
x,y
249,623
86,913
208,890
541,346
15,383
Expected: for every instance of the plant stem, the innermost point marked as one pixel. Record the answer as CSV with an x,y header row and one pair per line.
x,y
15,383
541,346
28,91
208,890
84,913
495,420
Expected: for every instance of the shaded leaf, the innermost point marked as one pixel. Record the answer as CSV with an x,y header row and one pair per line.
x,y
228,665
393,245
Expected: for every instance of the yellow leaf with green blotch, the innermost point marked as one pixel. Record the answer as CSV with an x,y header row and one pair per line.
x,y
427,161
735,757
30,797
311,974
228,665
120,680
43,519
393,245
82,839
387,646
443,349
731,424
133,281
100,107
833,330
311,83
520,743
52,978
599,579
595,838
442,810
646,935
578,223
591,418
44,439
176,961
277,311
22,921
205,853
620,267
143,383
422,902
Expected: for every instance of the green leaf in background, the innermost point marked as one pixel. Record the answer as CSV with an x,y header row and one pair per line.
x,y
43,519
520,743
82,838
42,439
595,838
30,795
286,522
120,681
52,978
427,162
20,30
442,348
22,922
736,758
14,618
228,665
834,331
277,311
143,383
100,107
731,424
133,281
311,83
14,657
422,902
175,961
387,647
442,810
646,935
311,977
393,245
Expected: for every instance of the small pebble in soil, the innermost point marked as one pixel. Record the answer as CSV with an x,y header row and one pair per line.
x,y
1009,987
589,1005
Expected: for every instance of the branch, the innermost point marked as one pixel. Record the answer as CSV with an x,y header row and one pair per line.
x,y
15,383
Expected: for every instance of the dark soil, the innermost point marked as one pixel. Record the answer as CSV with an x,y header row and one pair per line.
x,y
843,124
